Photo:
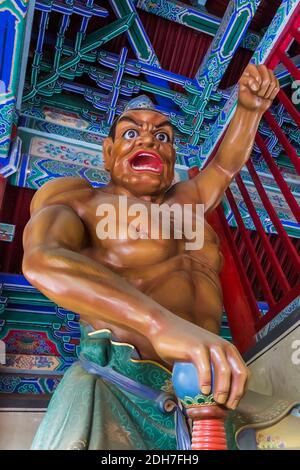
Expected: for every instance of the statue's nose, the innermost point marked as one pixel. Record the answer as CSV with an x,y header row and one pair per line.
x,y
147,140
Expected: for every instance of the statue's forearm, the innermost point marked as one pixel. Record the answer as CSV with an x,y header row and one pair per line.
x,y
234,151
237,144
84,286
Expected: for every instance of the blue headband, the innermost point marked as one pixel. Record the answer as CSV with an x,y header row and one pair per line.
x,y
140,102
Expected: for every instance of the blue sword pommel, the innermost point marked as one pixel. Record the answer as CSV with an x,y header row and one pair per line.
x,y
185,380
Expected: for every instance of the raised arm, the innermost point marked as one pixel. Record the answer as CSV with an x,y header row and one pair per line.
x,y
257,89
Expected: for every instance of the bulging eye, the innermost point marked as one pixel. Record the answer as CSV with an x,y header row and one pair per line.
x,y
130,134
162,137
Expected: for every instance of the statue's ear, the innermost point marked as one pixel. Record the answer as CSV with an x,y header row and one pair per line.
x,y
107,153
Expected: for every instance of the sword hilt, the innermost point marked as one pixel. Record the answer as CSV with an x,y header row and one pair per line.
x,y
207,416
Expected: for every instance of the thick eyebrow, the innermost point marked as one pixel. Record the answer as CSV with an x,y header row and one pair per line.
x,y
161,124
164,123
127,118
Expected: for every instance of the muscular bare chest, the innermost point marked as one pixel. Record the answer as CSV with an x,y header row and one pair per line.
x,y
127,236
160,266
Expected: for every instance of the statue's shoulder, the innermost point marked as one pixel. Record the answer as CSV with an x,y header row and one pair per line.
x,y
60,191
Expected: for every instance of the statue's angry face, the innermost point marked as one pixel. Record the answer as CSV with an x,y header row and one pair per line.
x,y
139,153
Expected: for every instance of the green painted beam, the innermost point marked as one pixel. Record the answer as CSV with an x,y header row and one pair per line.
x,y
13,17
196,18
233,28
93,41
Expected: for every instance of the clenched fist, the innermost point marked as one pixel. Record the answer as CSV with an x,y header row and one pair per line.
x,y
258,87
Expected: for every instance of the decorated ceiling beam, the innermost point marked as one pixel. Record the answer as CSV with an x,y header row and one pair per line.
x,y
117,79
198,2
64,23
10,164
127,87
39,48
191,16
82,46
280,20
154,77
233,27
100,102
24,309
69,8
86,11
12,27
134,67
140,42
137,35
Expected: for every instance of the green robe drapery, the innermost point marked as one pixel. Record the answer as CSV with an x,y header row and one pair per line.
x,y
89,412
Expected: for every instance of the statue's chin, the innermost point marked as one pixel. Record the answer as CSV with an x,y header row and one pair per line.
x,y
143,185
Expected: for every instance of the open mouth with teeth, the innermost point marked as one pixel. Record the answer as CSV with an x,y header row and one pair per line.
x,y
147,161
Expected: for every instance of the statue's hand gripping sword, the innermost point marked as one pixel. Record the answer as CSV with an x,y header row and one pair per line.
x,y
206,416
